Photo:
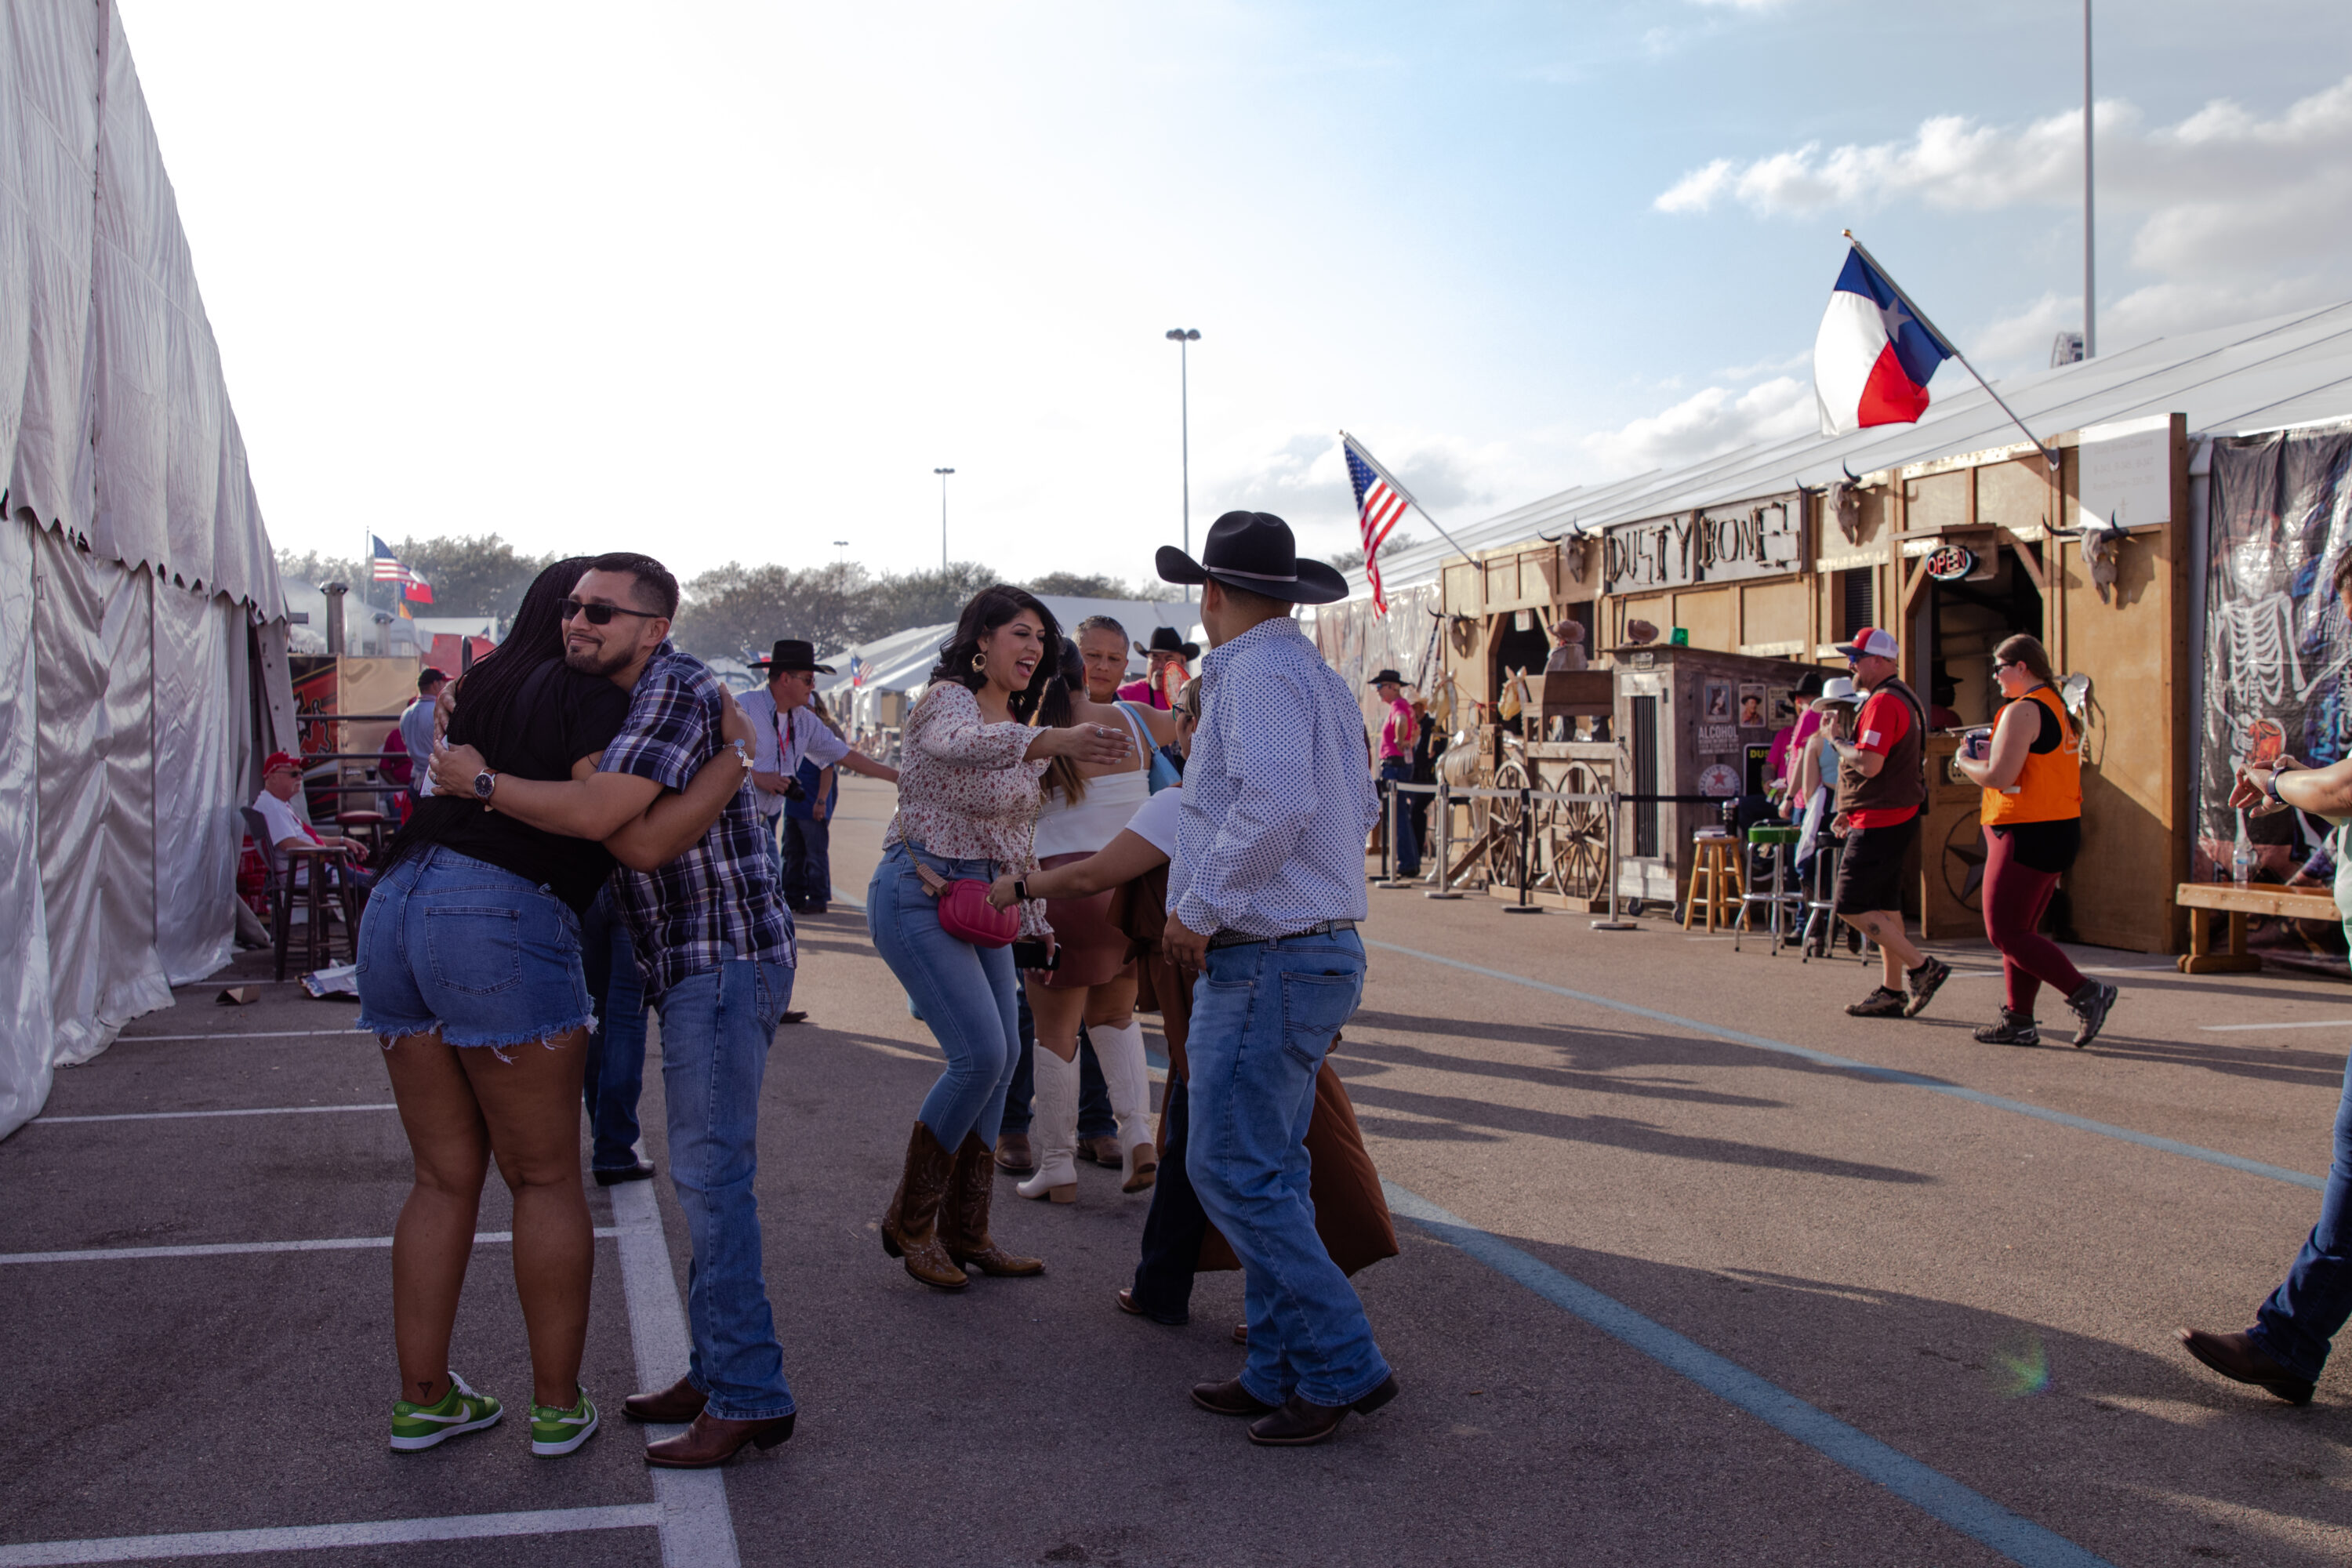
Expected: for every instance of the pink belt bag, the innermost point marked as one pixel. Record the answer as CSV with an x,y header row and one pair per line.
x,y
965,913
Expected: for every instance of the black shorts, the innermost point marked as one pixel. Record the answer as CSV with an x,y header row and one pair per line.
x,y
1870,874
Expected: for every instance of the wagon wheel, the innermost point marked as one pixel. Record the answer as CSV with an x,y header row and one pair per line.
x,y
1574,835
1503,818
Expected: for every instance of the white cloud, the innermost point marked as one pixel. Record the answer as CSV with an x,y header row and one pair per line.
x,y
1712,420
1752,5
2231,215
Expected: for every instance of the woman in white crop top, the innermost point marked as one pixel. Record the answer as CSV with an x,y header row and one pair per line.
x,y
1084,809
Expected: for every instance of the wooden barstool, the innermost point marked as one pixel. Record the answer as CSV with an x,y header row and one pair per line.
x,y
1714,861
367,825
325,889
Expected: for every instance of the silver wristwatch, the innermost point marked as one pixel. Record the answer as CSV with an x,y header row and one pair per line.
x,y
484,782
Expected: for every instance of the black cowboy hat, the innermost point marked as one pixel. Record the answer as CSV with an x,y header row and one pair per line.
x,y
1254,552
791,653
1165,640
1384,677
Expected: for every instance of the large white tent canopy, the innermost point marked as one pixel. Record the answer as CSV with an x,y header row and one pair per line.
x,y
137,582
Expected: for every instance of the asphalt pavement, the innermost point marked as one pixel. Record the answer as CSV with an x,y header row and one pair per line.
x,y
1695,1269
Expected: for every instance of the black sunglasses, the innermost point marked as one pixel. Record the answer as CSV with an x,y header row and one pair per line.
x,y
601,615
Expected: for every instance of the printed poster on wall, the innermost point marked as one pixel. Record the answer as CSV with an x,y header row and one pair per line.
x,y
2278,662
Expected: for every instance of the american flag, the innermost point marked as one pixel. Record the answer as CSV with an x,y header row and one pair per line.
x,y
1380,502
386,567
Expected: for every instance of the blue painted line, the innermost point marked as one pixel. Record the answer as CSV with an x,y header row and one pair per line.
x,y
1971,1513
1887,1075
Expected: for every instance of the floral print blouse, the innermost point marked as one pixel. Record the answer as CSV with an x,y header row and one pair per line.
x,y
966,791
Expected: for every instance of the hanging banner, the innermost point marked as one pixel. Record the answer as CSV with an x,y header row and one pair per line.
x,y
2278,661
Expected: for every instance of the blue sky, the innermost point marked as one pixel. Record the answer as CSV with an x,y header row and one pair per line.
x,y
727,281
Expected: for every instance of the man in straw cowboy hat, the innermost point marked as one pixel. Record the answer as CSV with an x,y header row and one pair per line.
x,y
1264,894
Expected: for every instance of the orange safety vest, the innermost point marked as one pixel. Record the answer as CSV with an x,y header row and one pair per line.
x,y
2049,788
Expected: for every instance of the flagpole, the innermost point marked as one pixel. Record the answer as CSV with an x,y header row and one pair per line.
x,y
2049,454
1374,464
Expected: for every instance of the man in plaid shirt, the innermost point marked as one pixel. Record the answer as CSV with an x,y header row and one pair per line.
x,y
715,943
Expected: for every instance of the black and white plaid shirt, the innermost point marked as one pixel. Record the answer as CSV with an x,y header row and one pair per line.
x,y
720,900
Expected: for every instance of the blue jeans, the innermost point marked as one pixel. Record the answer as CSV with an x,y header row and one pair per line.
x,y
616,1052
808,862
2315,1298
457,944
967,995
1095,1120
716,1029
1263,1018
1408,844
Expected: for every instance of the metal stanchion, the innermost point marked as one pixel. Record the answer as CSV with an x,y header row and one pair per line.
x,y
1392,841
1614,922
1445,844
1527,832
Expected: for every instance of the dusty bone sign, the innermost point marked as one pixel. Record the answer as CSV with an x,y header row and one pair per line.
x,y
1719,545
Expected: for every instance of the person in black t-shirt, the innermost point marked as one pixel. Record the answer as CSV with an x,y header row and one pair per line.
x,y
470,969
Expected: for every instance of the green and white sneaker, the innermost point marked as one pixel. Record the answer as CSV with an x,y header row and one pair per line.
x,y
416,1426
555,1430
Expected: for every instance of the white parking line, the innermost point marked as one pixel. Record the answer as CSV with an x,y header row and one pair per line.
x,y
257,1034
320,1537
2298,1024
696,1528
183,1115
233,1248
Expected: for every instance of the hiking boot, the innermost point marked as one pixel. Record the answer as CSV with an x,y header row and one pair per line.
x,y
1881,1002
2090,1006
555,1430
417,1426
1924,982
2014,1029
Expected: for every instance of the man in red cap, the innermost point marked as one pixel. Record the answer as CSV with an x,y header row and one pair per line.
x,y
281,780
1882,784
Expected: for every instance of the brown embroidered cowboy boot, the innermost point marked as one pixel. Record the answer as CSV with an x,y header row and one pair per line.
x,y
963,1218
910,1226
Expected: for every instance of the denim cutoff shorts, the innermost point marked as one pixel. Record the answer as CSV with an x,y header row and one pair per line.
x,y
454,944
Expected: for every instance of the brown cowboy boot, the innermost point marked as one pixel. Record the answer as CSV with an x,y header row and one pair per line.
x,y
910,1226
963,1218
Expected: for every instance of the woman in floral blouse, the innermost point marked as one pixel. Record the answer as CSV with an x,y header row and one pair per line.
x,y
968,798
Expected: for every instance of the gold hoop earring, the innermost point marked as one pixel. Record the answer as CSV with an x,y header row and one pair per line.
x,y
979,662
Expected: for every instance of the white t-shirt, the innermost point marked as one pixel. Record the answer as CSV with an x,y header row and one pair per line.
x,y
1155,820
278,817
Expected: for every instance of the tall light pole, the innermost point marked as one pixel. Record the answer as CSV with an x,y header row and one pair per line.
x,y
943,474
842,545
2090,287
1181,337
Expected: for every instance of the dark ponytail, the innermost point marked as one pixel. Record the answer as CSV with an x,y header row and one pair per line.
x,y
1056,711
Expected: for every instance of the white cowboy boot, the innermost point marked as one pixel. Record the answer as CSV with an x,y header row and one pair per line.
x,y
1056,1129
1129,1080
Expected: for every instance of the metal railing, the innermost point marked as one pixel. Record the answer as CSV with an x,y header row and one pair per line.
x,y
1523,829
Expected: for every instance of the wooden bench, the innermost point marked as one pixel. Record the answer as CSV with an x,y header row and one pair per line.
x,y
2238,903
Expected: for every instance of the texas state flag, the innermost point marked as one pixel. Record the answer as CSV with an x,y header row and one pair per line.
x,y
1873,357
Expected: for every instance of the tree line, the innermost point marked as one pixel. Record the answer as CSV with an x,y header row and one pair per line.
x,y
728,612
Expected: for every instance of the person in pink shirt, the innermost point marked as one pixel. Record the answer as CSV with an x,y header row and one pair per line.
x,y
1169,655
1397,736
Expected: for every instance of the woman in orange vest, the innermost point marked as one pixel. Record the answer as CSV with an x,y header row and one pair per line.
x,y
2033,814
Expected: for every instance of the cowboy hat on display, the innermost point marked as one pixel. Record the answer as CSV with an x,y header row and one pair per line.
x,y
791,653
1166,639
1254,552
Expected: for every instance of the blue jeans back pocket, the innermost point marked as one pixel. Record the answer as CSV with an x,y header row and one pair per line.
x,y
1313,1008
477,951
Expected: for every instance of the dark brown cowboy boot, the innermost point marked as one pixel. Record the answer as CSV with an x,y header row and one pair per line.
x,y
963,1218
910,1226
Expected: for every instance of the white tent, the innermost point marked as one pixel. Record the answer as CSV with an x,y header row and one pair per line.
x,y
138,588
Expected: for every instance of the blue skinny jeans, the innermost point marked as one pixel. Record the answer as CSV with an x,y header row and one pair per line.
x,y
968,995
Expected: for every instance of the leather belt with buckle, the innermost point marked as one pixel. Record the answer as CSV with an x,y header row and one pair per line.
x,y
1243,938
